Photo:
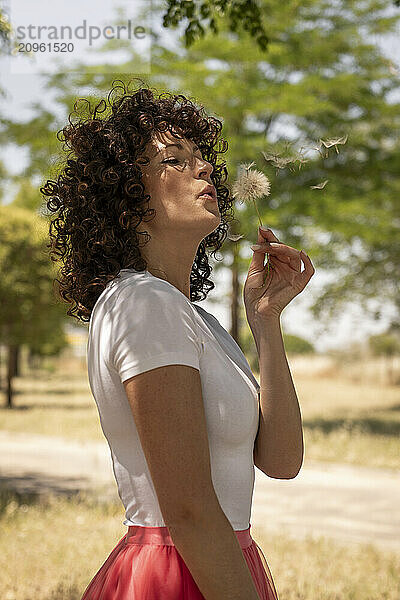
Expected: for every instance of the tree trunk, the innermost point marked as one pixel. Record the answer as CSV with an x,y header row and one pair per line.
x,y
17,361
31,359
391,370
12,356
235,295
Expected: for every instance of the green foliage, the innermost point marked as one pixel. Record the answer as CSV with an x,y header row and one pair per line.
x,y
385,344
5,28
327,79
3,175
205,14
28,196
30,312
295,344
248,346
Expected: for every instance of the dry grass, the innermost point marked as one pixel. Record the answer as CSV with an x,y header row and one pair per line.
x,y
350,422
359,367
50,548
345,420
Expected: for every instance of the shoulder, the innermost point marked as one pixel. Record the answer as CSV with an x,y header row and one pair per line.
x,y
146,301
141,290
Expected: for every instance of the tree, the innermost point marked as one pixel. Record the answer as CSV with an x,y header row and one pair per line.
x,y
5,33
294,344
30,313
386,345
5,29
27,196
328,81
201,15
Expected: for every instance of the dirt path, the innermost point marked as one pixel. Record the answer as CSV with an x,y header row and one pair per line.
x,y
350,504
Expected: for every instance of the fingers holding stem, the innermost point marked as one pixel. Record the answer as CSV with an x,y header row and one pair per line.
x,y
268,266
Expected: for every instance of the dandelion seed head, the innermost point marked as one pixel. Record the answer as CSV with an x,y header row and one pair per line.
x,y
250,185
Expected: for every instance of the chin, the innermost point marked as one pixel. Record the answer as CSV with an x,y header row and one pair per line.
x,y
216,222
214,209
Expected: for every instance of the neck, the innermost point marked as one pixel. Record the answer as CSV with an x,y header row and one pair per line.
x,y
171,262
183,286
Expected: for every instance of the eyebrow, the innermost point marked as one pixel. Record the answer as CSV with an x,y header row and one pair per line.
x,y
178,145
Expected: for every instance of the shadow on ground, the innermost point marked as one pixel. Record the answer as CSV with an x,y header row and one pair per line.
x,y
50,406
371,425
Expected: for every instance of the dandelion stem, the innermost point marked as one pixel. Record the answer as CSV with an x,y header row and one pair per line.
x,y
259,218
267,255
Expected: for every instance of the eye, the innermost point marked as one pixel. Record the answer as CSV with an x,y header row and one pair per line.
x,y
169,160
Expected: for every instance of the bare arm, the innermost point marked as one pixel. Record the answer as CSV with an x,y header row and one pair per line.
x,y
214,557
168,409
278,449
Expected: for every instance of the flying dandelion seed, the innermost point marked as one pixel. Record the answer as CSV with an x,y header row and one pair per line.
x,y
393,69
251,184
302,161
270,157
246,166
334,142
231,235
320,186
318,149
234,238
281,162
300,157
277,159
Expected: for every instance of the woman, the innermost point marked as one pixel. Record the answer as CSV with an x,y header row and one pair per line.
x,y
139,202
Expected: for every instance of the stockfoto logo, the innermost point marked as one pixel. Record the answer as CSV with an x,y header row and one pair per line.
x,y
81,32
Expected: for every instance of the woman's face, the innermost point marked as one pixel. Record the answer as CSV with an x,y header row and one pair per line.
x,y
174,178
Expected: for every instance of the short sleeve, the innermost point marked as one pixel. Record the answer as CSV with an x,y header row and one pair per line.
x,y
152,325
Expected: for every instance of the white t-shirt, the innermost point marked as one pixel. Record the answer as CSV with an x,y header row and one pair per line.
x,y
141,322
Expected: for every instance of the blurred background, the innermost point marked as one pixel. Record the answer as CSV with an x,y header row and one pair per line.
x,y
309,91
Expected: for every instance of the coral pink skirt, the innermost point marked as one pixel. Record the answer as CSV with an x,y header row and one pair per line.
x,y
145,565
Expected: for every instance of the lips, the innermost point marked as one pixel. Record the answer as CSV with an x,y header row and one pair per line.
x,y
210,191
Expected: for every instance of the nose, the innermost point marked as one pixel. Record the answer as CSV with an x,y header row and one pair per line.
x,y
205,168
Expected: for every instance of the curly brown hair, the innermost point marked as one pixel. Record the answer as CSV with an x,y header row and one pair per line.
x,y
99,197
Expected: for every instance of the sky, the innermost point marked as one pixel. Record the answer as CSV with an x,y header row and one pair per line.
x,y
22,80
